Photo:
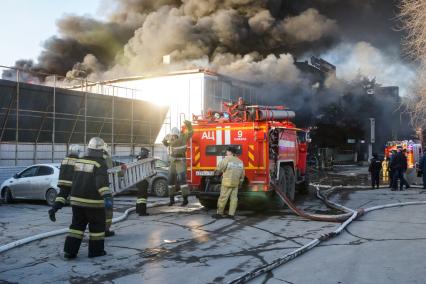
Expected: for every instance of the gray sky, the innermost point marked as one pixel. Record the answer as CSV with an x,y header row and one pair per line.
x,y
25,24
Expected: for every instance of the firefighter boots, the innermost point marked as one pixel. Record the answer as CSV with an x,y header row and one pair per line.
x,y
141,209
172,201
185,200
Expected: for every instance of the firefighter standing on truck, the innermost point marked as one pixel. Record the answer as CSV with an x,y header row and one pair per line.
x,y
142,186
66,174
233,177
90,195
108,211
176,141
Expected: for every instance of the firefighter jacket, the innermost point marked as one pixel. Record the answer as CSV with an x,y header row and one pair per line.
x,y
66,174
177,148
385,165
398,162
90,183
375,166
233,171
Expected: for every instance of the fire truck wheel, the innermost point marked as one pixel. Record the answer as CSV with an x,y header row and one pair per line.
x,y
289,185
303,187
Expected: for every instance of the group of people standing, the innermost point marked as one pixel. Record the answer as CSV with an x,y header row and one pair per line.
x,y
392,168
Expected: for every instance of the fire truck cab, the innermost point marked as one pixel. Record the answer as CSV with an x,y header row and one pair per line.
x,y
272,148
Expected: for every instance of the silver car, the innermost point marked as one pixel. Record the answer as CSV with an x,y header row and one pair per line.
x,y
37,182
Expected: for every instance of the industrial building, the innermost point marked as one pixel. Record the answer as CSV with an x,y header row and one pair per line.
x,y
37,123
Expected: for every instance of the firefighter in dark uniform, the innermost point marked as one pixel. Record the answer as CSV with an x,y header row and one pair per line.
x,y
108,211
142,186
90,195
176,142
374,168
66,174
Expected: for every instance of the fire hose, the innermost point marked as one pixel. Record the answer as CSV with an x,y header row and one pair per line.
x,y
45,235
324,237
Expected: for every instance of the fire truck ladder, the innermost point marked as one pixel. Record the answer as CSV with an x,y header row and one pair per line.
x,y
128,175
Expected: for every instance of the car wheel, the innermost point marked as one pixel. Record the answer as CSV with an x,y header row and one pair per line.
x,y
7,195
51,196
160,187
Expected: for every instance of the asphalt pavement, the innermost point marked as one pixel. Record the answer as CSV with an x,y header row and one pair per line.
x,y
185,245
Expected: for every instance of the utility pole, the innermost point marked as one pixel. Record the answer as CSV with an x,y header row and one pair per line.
x,y
372,137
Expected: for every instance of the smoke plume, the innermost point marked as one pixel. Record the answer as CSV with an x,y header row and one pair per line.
x,y
255,40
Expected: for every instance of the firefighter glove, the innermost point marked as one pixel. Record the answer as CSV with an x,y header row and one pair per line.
x,y
108,202
52,216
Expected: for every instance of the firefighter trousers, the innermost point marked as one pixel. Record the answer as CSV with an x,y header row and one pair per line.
x,y
177,176
108,218
225,194
142,197
81,217
375,179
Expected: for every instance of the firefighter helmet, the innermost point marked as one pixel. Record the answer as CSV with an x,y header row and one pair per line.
x,y
74,150
232,149
96,143
175,131
144,153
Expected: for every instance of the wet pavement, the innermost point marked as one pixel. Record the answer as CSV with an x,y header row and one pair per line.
x,y
185,245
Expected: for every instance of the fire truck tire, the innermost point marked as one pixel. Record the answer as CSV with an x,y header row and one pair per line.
x,y
290,182
303,187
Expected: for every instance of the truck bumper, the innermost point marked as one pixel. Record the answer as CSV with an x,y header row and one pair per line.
x,y
246,199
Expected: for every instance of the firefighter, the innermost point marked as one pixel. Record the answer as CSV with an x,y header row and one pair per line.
x,y
108,211
142,195
398,167
66,173
233,177
90,195
176,141
374,169
391,156
385,169
422,168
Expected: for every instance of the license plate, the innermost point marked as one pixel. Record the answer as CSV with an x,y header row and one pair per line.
x,y
204,173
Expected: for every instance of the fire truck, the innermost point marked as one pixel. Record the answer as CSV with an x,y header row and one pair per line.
x,y
272,148
413,150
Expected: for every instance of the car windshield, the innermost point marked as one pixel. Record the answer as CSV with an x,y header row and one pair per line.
x,y
161,163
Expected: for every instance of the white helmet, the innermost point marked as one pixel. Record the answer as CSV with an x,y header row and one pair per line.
x,y
74,150
96,143
175,131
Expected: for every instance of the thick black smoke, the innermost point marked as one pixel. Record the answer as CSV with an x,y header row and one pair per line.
x,y
255,40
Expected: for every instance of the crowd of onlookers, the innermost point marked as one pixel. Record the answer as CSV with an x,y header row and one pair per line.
x,y
393,169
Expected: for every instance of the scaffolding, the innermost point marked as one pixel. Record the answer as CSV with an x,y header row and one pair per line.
x,y
39,118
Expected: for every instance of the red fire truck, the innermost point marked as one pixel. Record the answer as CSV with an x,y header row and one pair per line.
x,y
272,148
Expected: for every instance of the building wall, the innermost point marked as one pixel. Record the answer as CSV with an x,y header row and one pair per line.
x,y
183,94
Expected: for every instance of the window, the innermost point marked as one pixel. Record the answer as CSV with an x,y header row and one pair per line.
x,y
220,150
44,171
30,172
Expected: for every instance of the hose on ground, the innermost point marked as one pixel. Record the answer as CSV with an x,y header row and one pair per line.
x,y
292,255
45,235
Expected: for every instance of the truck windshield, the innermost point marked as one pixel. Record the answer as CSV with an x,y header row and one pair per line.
x,y
220,150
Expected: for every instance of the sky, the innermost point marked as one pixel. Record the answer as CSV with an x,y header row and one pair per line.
x,y
25,24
